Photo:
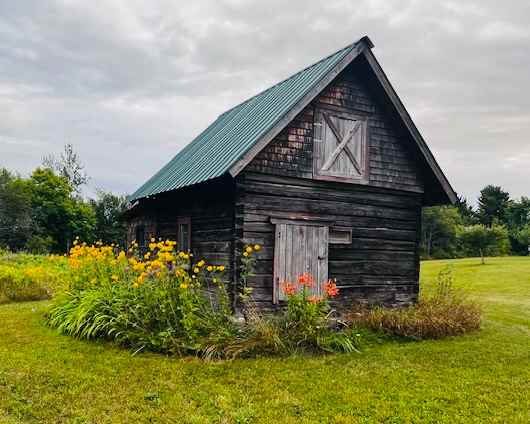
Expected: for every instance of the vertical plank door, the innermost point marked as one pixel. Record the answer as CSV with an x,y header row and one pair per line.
x,y
300,249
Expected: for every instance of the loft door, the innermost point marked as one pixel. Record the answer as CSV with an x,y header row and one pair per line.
x,y
300,249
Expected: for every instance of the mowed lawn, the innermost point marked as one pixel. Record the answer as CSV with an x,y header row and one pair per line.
x,y
482,377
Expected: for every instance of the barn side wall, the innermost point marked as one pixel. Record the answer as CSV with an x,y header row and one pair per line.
x,y
380,266
210,208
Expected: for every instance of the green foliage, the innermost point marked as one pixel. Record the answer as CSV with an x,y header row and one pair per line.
x,y
481,377
57,213
439,231
447,312
15,211
29,277
110,226
518,223
492,205
479,240
466,211
164,303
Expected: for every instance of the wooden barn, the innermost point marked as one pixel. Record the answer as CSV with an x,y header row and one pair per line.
x,y
325,170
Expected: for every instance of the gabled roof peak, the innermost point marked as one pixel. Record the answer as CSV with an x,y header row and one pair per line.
x,y
214,152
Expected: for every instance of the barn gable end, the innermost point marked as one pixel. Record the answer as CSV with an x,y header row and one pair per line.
x,y
390,164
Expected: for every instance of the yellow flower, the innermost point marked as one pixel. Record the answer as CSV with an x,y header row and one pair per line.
x,y
245,254
146,256
196,270
221,268
184,286
209,268
257,247
121,255
200,263
214,280
114,277
249,249
135,285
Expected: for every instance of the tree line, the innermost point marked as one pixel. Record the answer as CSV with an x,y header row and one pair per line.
x,y
498,225
44,212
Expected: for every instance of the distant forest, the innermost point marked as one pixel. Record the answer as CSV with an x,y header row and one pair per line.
x,y
498,225
44,212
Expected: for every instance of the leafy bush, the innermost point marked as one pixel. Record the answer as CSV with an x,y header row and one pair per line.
x,y
166,302
159,302
305,325
28,277
445,313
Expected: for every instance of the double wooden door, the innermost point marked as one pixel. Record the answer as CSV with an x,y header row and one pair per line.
x,y
300,248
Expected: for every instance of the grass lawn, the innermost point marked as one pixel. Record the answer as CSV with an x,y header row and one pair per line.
x,y
482,377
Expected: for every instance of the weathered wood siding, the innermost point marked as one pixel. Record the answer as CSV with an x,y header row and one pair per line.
x,y
211,210
390,163
381,265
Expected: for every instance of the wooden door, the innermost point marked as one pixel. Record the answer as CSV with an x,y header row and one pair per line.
x,y
300,249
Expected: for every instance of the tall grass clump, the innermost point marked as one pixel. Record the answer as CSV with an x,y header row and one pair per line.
x,y
446,312
26,277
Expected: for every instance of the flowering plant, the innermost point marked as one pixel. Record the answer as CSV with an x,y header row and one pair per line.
x,y
159,300
308,303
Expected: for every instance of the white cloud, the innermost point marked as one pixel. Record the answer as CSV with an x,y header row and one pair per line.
x,y
130,82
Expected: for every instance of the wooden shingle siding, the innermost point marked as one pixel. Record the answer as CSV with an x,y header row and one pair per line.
x,y
390,164
385,237
291,152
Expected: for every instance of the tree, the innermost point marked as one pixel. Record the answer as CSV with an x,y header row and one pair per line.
x,y
109,209
482,240
466,210
439,228
492,205
15,211
69,166
522,237
518,221
56,212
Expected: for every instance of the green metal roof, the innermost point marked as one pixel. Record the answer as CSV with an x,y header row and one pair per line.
x,y
213,152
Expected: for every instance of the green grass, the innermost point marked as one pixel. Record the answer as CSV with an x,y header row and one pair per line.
x,y
481,377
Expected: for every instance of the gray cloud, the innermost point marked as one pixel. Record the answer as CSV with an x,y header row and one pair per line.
x,y
129,83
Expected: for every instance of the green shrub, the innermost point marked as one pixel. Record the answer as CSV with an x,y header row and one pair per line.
x,y
160,303
165,302
305,325
445,313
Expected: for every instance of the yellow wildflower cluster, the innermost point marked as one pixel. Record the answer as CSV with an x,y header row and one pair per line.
x,y
250,249
161,261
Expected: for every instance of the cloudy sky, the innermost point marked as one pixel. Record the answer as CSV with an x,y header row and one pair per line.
x,y
129,82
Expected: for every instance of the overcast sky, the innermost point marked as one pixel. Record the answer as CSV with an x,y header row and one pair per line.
x,y
129,83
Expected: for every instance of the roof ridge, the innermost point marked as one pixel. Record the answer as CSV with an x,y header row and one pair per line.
x,y
349,46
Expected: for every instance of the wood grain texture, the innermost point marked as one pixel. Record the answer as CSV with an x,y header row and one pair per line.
x,y
388,162
384,226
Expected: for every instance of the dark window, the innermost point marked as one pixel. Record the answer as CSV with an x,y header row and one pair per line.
x,y
184,233
140,236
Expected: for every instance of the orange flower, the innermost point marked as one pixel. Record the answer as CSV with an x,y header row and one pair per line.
x,y
331,288
306,280
315,299
288,288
